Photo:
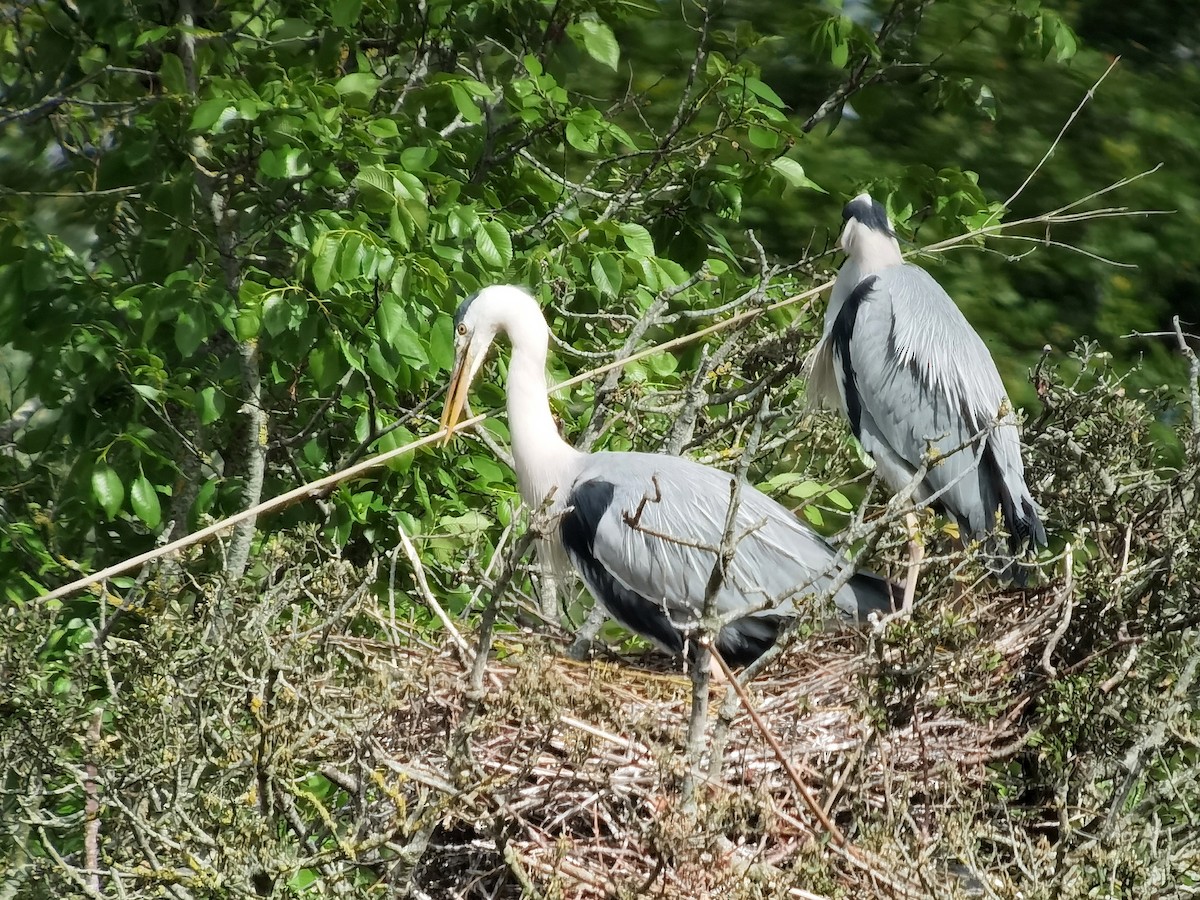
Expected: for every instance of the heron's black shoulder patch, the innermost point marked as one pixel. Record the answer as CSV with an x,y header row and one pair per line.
x,y
589,500
587,504
841,334
869,212
461,312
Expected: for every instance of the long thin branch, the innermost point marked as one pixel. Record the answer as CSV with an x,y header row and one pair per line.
x,y
430,600
1193,381
1057,140
313,488
816,808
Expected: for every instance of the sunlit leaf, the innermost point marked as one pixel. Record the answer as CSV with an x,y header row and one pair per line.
x,y
345,12
794,173
599,42
494,244
637,239
358,84
108,489
144,499
606,274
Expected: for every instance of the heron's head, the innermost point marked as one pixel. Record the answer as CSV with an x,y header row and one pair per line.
x,y
477,321
867,224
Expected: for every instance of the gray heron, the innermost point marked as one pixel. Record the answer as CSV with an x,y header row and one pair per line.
x,y
908,372
644,530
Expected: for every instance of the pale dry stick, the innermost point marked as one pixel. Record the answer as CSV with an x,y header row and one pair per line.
x,y
1057,140
1110,684
497,554
1063,594
1047,241
698,717
1135,759
204,534
91,830
431,601
490,612
1194,383
684,339
1057,216
835,833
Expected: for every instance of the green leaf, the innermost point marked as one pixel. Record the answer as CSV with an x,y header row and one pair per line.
x,y
839,54
144,498
441,343
766,138
600,42
373,178
92,60
211,116
794,173
806,489
763,92
396,332
358,84
395,438
170,72
494,244
190,332
276,314
607,275
345,12
326,364
465,103
663,363
837,498
637,239
324,267
384,129
247,324
210,404
284,162
417,159
814,515
108,489
581,134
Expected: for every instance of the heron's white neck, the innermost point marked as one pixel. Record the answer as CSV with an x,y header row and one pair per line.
x,y
872,251
542,458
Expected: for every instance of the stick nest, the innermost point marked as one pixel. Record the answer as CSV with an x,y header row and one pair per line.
x,y
565,778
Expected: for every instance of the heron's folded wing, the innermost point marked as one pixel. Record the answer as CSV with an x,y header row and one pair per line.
x,y
923,375
662,532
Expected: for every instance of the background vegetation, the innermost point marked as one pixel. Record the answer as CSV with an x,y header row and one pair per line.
x,y
232,238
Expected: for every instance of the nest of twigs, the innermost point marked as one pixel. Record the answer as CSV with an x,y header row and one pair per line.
x,y
572,779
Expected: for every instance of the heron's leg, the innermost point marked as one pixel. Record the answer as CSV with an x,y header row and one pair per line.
x,y
916,553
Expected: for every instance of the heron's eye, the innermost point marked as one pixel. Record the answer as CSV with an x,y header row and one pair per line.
x,y
462,328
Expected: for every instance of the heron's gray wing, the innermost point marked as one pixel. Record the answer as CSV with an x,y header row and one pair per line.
x,y
661,532
912,371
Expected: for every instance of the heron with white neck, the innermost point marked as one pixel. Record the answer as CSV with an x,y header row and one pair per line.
x,y
644,530
907,370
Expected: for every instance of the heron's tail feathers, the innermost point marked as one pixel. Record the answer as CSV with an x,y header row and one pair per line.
x,y
744,640
1026,534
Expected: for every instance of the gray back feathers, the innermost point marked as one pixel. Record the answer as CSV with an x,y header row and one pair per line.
x,y
911,373
662,530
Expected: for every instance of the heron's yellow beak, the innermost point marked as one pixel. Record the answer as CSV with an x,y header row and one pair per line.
x,y
456,395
